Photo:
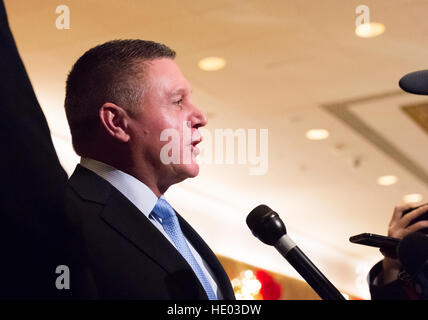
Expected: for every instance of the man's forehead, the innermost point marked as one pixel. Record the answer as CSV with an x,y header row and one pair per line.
x,y
166,75
171,86
164,69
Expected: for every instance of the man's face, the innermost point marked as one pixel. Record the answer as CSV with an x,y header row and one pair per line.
x,y
167,106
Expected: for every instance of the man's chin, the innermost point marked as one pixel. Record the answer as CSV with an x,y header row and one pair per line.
x,y
185,171
192,170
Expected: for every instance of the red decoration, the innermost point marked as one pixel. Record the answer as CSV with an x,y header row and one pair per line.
x,y
270,290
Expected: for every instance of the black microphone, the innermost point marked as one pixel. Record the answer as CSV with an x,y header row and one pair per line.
x,y
415,82
266,225
413,255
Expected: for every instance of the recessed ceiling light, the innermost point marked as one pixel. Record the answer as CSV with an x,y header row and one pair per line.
x,y
412,198
387,180
370,30
211,63
317,134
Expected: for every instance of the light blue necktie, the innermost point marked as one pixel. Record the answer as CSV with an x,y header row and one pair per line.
x,y
169,221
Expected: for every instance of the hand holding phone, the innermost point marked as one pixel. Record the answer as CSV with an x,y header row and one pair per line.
x,y
387,245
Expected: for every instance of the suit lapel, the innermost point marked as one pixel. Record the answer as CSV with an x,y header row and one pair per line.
x,y
126,219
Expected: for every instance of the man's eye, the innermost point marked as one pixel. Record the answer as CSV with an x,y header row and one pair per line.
x,y
178,101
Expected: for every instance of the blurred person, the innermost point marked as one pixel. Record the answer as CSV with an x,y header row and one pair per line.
x,y
387,278
121,97
36,237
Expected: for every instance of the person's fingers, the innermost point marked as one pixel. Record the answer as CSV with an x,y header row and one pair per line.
x,y
417,226
405,221
398,212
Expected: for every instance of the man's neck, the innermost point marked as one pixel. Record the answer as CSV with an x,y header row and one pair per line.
x,y
141,173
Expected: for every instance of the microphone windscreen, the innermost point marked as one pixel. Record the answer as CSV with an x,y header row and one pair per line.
x,y
266,224
415,82
257,214
413,252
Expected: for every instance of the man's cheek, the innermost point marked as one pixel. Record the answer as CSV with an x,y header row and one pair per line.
x,y
171,148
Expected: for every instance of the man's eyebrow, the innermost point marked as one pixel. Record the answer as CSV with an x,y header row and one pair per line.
x,y
180,91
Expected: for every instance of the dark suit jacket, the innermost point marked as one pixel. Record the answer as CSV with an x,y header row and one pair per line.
x,y
35,235
127,255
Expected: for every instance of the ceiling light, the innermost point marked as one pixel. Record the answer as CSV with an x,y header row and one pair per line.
x,y
370,30
211,63
387,180
317,134
412,198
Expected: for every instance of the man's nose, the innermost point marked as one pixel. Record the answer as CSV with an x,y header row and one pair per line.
x,y
199,118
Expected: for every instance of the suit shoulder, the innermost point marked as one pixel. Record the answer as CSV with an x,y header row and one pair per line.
x,y
88,186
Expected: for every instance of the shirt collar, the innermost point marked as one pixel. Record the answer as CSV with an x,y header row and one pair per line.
x,y
133,189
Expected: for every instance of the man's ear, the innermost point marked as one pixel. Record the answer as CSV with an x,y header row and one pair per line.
x,y
115,121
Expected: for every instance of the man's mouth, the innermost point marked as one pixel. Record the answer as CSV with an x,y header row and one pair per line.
x,y
195,149
196,138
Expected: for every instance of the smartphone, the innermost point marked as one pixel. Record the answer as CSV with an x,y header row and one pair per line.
x,y
375,240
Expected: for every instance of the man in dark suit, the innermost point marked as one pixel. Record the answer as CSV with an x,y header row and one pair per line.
x,y
133,124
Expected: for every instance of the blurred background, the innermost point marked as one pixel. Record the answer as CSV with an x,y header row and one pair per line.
x,y
345,144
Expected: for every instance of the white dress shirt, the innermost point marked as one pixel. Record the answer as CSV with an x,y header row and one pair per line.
x,y
144,199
